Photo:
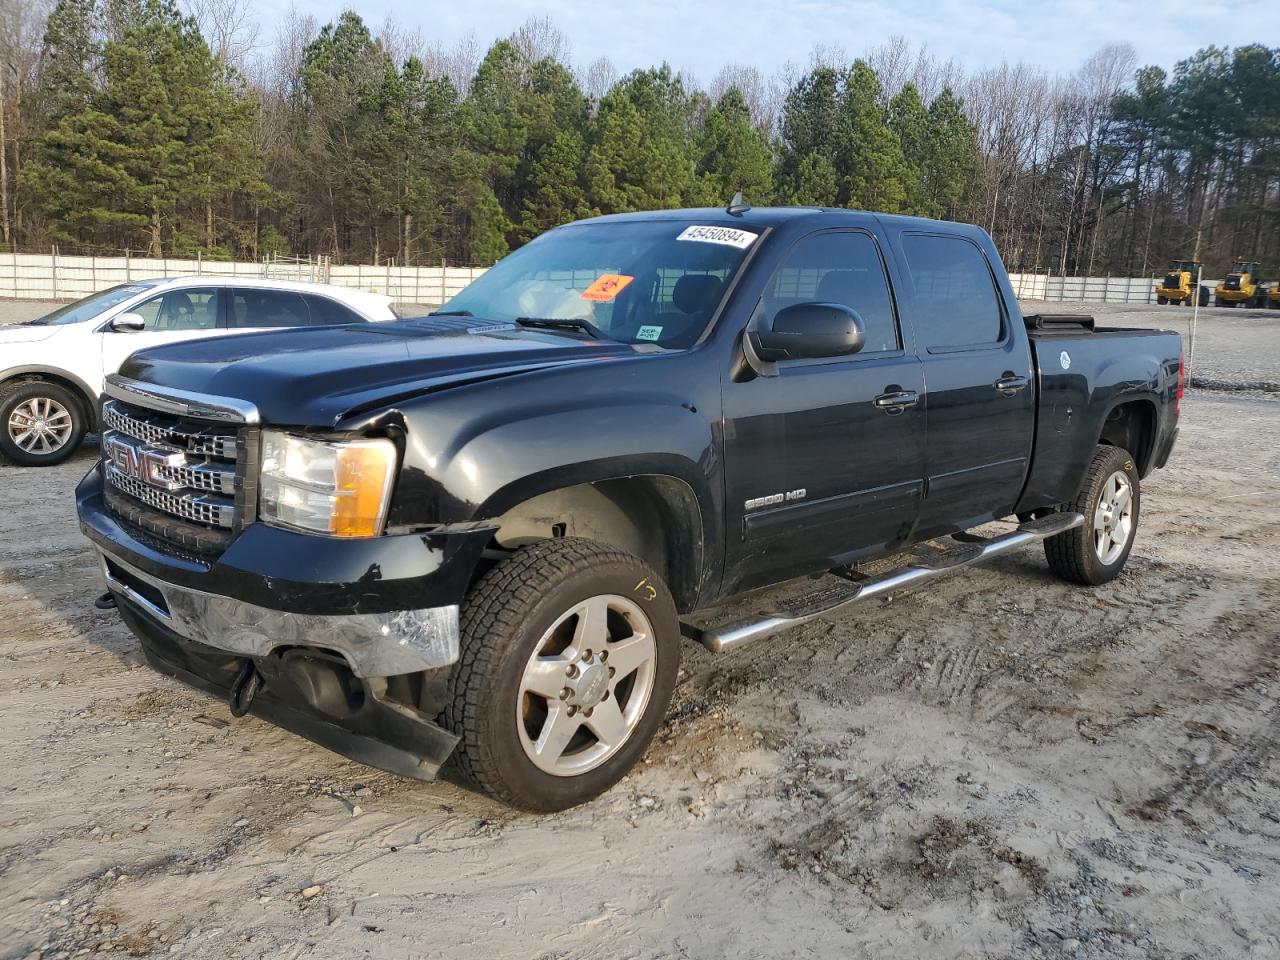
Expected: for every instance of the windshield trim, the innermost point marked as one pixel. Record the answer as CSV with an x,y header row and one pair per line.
x,y
731,287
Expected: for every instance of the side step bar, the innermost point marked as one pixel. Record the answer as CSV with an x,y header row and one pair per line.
x,y
823,603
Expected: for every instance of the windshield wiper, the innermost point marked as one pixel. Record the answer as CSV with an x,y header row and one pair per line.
x,y
565,323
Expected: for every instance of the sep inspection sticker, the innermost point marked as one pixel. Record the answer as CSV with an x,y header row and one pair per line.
x,y
728,236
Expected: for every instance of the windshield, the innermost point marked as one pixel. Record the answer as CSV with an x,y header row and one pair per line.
x,y
92,305
654,281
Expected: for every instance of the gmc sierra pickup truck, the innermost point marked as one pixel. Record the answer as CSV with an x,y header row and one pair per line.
x,y
481,533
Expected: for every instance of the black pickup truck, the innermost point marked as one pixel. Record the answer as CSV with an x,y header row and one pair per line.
x,y
476,533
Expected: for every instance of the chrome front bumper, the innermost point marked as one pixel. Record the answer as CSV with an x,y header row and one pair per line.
x,y
374,644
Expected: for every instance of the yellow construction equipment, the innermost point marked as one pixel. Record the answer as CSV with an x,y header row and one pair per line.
x,y
1179,284
1243,285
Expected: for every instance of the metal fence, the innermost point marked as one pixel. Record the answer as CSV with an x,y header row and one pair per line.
x,y
55,277
1045,286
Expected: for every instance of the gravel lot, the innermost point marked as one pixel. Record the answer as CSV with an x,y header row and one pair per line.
x,y
1003,766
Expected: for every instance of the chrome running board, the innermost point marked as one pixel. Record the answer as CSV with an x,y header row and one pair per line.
x,y
823,603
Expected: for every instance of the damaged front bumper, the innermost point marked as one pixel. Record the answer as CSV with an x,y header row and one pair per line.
x,y
349,643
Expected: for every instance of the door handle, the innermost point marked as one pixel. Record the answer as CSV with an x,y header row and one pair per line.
x,y
1009,385
897,400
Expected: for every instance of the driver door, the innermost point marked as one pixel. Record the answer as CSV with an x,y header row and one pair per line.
x,y
188,313
820,469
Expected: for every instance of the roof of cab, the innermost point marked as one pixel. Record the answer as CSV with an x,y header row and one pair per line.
x,y
776,216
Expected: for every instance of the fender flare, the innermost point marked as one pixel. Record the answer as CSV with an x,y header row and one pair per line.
x,y
36,370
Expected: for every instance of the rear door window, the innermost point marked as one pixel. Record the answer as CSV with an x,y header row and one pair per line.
x,y
253,309
955,295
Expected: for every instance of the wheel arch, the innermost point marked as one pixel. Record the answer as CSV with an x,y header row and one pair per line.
x,y
655,516
1132,423
62,378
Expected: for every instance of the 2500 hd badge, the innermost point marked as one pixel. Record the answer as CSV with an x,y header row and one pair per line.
x,y
474,536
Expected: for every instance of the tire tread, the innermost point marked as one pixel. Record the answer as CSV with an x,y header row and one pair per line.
x,y
494,610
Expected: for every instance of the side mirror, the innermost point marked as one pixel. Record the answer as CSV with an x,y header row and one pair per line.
x,y
805,331
128,323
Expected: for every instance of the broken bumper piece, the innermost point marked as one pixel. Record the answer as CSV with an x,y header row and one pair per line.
x,y
373,644
308,691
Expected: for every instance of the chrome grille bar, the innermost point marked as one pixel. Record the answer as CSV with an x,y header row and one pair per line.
x,y
210,511
154,430
171,463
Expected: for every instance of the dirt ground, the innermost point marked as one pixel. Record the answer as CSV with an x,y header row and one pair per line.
x,y
1001,766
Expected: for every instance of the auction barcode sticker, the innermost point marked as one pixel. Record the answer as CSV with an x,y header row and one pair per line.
x,y
729,236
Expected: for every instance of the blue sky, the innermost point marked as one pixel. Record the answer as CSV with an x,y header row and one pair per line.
x,y
699,36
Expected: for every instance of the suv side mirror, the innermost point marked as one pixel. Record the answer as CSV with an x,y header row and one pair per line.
x,y
809,330
128,323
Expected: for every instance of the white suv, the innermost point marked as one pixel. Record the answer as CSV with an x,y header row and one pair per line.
x,y
52,368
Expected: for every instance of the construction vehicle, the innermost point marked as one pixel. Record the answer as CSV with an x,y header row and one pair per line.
x,y
1243,285
1273,300
1180,283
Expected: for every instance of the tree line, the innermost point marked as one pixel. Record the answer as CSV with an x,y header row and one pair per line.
x,y
137,124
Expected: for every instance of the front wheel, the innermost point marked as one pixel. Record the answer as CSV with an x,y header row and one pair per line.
x,y
1110,499
41,423
1162,300
570,650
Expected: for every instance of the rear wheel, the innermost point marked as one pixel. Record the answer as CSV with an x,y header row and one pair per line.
x,y
41,423
570,650
1110,499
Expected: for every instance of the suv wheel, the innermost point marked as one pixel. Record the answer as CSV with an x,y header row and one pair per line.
x,y
569,656
41,423
1109,498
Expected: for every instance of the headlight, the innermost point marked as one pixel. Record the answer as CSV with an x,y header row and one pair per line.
x,y
337,487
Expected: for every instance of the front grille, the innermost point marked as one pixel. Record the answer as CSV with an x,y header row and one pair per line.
x,y
172,466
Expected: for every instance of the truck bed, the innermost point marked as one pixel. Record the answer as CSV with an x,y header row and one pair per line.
x,y
1081,376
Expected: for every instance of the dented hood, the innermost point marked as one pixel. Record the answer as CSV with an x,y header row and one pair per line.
x,y
313,377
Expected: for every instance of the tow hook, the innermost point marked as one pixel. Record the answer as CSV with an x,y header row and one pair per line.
x,y
247,684
105,602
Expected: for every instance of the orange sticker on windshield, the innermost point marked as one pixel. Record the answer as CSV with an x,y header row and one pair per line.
x,y
606,287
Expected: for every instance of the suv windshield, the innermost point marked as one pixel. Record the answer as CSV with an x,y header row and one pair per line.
x,y
655,281
92,305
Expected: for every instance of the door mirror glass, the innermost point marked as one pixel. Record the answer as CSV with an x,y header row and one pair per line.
x,y
128,323
810,330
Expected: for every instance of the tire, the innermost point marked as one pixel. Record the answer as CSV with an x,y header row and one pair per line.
x,y
1078,555
57,413
522,620
1162,300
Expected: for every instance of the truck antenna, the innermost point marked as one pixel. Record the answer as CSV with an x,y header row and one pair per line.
x,y
737,207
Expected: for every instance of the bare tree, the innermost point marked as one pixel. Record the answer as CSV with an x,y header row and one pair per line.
x,y
538,38
21,29
596,80
229,26
459,62
755,90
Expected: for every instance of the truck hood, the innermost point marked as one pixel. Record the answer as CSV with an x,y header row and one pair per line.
x,y
315,377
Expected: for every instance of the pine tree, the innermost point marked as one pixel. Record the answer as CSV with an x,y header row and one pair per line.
x,y
951,157
869,159
910,122
641,155
733,154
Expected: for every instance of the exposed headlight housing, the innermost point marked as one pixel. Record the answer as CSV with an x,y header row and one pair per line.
x,y
340,488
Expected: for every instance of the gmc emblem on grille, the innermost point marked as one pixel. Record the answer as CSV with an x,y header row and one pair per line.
x,y
141,462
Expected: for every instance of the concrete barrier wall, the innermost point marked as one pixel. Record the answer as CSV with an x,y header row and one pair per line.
x,y
52,277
